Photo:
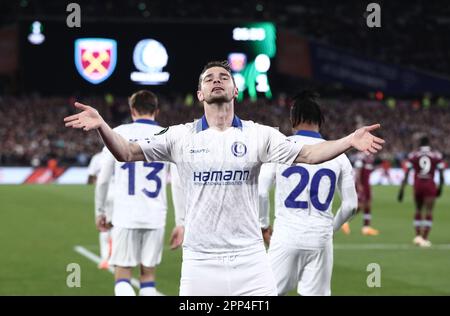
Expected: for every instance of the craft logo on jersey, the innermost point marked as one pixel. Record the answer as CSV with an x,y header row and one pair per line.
x,y
238,149
95,58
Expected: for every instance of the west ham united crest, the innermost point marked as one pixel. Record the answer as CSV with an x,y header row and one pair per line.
x,y
95,58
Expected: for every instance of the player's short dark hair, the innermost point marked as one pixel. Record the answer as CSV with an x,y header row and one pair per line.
x,y
216,63
306,109
424,141
144,102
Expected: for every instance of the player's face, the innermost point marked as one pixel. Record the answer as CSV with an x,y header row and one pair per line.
x,y
217,86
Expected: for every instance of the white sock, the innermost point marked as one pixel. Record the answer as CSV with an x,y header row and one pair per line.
x,y
147,289
123,288
104,245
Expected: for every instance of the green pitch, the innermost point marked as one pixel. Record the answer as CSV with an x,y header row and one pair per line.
x,y
41,224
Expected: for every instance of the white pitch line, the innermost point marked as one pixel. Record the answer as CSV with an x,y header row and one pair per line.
x,y
388,247
96,259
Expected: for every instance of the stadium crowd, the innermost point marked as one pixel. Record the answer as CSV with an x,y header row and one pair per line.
x,y
33,132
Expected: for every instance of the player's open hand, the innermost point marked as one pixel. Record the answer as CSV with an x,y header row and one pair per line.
x,y
364,141
87,119
176,239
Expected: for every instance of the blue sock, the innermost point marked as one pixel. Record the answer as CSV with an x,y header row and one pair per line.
x,y
147,289
123,280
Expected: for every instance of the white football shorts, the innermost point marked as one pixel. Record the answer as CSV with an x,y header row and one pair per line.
x,y
238,274
132,247
307,269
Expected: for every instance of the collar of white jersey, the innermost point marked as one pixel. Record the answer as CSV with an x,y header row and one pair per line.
x,y
306,133
202,124
146,121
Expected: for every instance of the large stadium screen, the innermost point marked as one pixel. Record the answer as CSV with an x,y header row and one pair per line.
x,y
122,57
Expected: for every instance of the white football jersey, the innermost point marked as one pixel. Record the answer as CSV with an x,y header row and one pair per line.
x,y
304,197
139,187
95,165
219,171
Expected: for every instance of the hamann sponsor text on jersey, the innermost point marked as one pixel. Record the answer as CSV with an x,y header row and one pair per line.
x,y
226,177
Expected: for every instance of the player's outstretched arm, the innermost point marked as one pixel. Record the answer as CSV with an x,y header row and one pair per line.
x,y
361,140
89,119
